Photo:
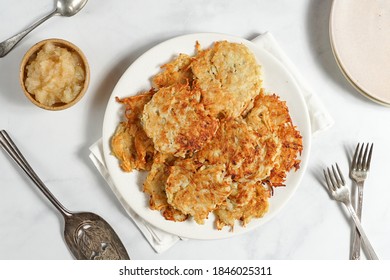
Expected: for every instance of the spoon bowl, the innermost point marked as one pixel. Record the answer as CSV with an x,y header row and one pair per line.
x,y
90,237
66,8
87,235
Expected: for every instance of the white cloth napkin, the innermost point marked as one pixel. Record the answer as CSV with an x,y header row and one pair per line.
x,y
158,239
320,121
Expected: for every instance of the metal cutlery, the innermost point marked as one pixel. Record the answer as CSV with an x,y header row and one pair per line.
x,y
336,186
65,8
88,236
360,168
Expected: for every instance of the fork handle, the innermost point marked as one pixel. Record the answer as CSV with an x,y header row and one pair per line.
x,y
370,250
356,245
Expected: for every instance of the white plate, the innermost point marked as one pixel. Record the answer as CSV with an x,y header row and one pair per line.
x,y
137,78
360,38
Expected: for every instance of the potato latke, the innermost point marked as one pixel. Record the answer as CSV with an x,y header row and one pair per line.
x,y
210,138
176,121
130,144
229,76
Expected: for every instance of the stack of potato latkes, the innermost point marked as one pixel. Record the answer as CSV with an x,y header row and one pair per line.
x,y
210,137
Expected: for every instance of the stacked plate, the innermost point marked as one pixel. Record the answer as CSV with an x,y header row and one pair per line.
x,y
360,38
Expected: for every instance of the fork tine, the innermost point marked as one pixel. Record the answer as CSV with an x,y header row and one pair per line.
x,y
368,162
355,155
364,159
340,174
330,180
337,183
360,158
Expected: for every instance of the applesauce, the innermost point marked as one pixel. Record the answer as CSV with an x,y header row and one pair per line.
x,y
54,75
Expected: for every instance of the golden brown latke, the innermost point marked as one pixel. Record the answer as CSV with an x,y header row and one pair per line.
x,y
154,185
197,189
271,115
176,121
247,201
175,72
133,148
245,153
229,77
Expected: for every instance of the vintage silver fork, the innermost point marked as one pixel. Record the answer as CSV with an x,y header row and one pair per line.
x,y
336,185
359,171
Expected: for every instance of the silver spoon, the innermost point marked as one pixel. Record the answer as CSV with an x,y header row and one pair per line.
x,y
88,236
65,8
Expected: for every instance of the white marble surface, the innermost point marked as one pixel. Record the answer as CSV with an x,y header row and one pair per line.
x,y
113,34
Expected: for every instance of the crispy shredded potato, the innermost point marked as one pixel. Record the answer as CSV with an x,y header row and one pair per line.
x,y
177,122
270,116
197,189
130,144
229,76
210,138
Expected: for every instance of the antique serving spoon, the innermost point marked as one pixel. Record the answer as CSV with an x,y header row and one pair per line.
x,y
88,236
65,8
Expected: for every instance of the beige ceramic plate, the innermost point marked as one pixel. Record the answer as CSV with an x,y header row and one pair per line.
x,y
357,87
360,37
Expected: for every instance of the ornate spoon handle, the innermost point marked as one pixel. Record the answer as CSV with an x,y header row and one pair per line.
x,y
7,45
13,151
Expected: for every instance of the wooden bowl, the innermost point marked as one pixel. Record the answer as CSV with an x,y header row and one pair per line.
x,y
31,55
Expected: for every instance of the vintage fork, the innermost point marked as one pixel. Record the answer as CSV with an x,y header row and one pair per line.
x,y
336,185
359,171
